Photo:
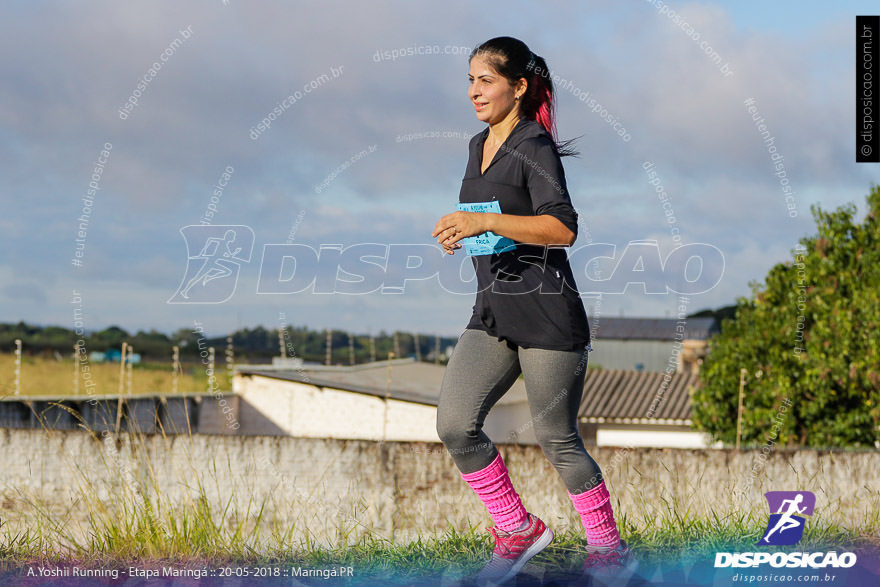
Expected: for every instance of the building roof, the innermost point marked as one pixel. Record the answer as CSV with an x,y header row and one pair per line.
x,y
633,397
411,381
651,328
610,395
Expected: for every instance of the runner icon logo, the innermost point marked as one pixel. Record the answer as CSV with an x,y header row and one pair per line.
x,y
214,257
787,511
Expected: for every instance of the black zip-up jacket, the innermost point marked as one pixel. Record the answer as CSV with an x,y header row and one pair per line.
x,y
528,295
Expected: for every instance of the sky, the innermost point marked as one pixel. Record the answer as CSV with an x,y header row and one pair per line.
x,y
106,158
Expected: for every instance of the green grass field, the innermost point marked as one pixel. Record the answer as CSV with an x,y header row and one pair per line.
x,y
145,532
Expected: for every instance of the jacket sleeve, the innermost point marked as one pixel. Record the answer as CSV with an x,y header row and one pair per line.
x,y
545,180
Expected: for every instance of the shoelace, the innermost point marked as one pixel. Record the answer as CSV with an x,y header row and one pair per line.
x,y
615,556
501,547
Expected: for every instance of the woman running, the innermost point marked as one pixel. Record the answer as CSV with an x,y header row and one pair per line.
x,y
514,208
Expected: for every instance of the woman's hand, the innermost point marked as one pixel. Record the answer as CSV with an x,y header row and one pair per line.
x,y
453,227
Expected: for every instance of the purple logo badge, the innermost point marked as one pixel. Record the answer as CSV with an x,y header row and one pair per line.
x,y
787,511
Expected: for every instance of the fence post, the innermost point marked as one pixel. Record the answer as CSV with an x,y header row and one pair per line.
x,y
130,369
121,386
739,411
175,362
17,366
76,368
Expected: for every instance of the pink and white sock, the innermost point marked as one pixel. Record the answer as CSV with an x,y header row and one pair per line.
x,y
493,486
594,507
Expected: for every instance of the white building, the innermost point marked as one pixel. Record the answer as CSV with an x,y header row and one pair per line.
x,y
397,400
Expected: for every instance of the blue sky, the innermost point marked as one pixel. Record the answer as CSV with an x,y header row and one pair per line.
x,y
75,65
791,18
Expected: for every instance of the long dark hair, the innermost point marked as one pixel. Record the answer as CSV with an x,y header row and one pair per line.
x,y
514,60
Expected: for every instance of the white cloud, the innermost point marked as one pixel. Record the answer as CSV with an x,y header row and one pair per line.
x,y
78,66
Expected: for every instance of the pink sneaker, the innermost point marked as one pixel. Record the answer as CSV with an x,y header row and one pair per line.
x,y
514,549
606,557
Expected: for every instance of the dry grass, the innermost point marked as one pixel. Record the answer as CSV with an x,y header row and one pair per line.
x,y
49,377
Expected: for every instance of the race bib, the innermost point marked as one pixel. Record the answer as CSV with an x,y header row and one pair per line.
x,y
488,242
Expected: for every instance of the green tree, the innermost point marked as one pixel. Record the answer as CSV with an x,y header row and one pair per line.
x,y
109,338
154,345
812,331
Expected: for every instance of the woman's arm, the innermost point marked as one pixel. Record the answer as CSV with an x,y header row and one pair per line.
x,y
553,222
537,230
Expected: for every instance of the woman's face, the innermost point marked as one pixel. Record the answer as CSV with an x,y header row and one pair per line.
x,y
491,93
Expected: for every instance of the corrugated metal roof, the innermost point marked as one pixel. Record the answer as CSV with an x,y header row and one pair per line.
x,y
411,381
651,328
618,395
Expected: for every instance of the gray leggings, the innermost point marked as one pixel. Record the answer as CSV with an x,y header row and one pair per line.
x,y
481,370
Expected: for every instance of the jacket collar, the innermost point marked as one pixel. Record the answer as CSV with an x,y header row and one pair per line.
x,y
524,129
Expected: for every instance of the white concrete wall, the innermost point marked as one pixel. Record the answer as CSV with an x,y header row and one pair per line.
x,y
289,408
322,488
301,409
624,436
